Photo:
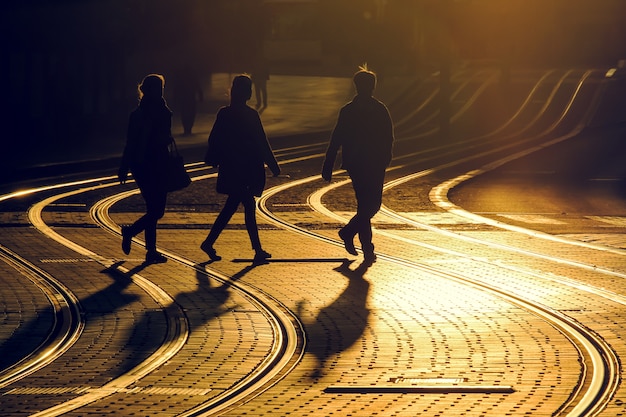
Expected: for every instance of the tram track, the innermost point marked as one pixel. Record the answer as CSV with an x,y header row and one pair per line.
x,y
459,156
289,349
67,313
599,380
288,346
599,377
177,325
600,364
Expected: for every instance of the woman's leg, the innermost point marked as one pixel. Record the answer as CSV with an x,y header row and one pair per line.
x,y
155,209
230,207
249,206
155,200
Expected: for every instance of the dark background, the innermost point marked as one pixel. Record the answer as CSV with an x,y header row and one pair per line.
x,y
70,68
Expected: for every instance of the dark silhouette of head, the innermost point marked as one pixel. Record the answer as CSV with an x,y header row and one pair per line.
x,y
364,81
151,86
241,90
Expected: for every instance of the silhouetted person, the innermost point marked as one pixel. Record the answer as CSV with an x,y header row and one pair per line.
x,y
364,132
239,148
145,155
260,75
188,94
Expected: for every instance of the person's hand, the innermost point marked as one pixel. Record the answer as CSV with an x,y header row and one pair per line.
x,y
327,171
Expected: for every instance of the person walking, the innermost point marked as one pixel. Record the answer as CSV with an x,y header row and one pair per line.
x,y
260,76
188,93
364,132
145,155
239,148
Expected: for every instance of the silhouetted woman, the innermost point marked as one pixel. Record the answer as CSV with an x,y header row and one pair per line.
x,y
239,148
145,155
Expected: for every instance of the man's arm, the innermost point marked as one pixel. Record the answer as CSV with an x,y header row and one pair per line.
x,y
333,147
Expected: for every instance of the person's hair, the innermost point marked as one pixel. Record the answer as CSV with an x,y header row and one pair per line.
x,y
151,86
241,89
364,80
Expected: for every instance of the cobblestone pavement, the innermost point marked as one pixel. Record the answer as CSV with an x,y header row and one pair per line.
x,y
438,326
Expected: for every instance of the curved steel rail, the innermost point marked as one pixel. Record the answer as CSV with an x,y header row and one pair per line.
x,y
67,314
288,346
599,377
224,403
177,325
600,370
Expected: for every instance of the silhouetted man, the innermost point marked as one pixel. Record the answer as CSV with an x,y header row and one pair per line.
x,y
364,131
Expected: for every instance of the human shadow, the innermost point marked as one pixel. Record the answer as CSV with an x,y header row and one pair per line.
x,y
288,260
33,336
210,299
339,325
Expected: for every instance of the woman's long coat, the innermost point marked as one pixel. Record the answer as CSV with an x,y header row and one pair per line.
x,y
148,138
239,148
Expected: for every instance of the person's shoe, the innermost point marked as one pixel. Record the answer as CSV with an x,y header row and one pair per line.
x,y
348,242
261,256
369,255
127,239
155,257
208,249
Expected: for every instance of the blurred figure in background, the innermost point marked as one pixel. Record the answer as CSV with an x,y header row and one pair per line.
x,y
145,155
260,76
364,132
187,93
